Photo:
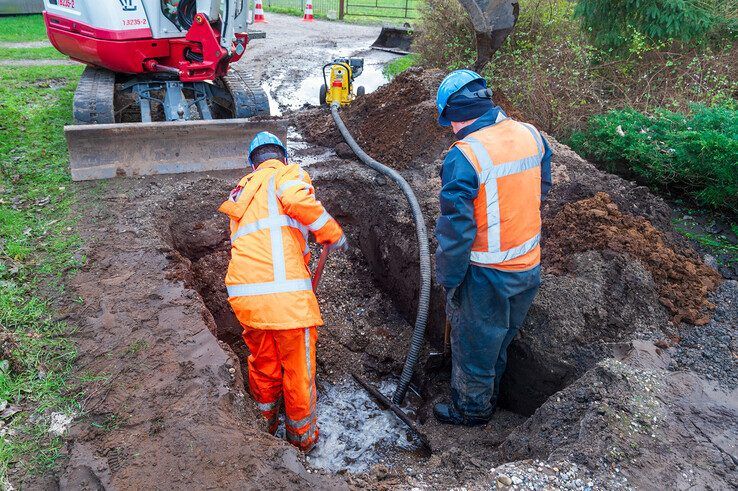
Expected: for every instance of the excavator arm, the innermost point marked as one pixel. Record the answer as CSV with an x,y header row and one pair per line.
x,y
493,21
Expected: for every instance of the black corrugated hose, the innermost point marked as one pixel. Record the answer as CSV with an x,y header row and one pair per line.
x,y
421,318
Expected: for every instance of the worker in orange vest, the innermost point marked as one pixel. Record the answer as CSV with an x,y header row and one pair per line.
x,y
269,288
488,259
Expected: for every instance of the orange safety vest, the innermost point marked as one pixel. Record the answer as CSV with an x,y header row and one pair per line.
x,y
268,279
507,157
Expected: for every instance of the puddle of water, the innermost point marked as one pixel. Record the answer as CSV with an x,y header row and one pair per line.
x,y
303,153
290,96
354,432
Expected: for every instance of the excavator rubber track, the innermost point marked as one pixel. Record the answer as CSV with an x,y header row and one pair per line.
x,y
249,99
93,99
100,148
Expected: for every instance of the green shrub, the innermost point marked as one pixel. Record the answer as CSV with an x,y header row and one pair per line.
x,y
694,155
617,24
551,72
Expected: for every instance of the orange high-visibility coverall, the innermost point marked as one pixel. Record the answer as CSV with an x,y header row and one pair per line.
x,y
269,289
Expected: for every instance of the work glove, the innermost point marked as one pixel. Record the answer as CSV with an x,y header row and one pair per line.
x,y
339,245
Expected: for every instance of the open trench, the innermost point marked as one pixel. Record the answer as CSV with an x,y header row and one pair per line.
x,y
367,299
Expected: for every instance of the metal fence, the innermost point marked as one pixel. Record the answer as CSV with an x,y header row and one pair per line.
x,y
339,9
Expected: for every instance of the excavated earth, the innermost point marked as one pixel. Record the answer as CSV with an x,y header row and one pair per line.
x,y
625,373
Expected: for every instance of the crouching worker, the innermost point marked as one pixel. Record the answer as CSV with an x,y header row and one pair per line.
x,y
488,257
268,281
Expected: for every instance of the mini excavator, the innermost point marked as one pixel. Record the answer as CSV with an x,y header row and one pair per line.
x,y
158,95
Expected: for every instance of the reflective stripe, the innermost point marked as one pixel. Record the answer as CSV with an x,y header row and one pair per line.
x,y
490,186
275,235
514,167
296,425
537,137
264,223
340,242
320,222
287,185
502,256
267,406
307,436
251,289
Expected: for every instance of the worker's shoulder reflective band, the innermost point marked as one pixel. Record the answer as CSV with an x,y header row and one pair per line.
x,y
287,185
537,137
265,223
320,222
502,256
252,289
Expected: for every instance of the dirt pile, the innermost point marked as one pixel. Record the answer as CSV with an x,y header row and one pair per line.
x,y
682,280
397,123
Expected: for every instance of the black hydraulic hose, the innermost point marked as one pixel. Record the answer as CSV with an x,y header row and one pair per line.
x,y
421,318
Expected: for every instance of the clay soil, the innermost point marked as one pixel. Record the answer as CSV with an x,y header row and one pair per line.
x,y
593,396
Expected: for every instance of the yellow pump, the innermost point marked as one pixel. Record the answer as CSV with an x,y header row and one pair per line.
x,y
338,86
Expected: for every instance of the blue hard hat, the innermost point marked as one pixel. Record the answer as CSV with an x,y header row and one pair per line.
x,y
453,82
265,138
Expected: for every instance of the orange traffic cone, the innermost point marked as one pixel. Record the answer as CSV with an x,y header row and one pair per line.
x,y
259,12
308,11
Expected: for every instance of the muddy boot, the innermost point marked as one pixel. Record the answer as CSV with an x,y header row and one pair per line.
x,y
448,414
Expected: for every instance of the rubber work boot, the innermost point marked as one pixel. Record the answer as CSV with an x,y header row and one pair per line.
x,y
448,414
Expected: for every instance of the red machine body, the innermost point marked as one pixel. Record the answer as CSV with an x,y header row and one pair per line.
x,y
197,57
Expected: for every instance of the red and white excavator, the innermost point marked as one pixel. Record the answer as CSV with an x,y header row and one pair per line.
x,y
158,94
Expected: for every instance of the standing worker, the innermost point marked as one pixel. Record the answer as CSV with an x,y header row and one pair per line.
x,y
268,281
488,259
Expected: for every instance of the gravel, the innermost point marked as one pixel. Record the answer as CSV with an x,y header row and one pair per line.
x,y
712,350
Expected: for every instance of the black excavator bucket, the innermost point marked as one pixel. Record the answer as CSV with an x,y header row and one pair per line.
x,y
493,21
394,39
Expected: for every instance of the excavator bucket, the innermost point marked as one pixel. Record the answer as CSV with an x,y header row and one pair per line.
x,y
394,39
493,21
103,151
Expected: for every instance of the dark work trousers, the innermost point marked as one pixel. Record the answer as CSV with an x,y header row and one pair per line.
x,y
485,311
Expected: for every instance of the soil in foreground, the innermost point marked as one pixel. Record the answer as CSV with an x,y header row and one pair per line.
x,y
601,390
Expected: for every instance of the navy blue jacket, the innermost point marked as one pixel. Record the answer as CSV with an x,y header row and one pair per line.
x,y
456,227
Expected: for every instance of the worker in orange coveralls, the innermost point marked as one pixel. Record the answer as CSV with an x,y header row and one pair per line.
x,y
269,284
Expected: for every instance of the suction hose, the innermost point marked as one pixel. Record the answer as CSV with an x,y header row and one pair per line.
x,y
421,318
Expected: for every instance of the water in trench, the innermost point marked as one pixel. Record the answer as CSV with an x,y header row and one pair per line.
x,y
354,432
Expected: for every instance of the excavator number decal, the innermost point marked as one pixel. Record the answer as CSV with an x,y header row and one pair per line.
x,y
134,22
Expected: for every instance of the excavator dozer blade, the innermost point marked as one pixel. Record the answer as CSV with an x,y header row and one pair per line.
x,y
104,151
493,21
394,39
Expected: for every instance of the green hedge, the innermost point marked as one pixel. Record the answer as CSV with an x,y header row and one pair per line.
x,y
694,155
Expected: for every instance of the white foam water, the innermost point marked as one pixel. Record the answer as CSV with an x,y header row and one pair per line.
x,y
354,432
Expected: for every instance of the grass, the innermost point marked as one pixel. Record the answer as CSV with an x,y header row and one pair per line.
x,y
37,250
399,65
359,11
22,28
45,53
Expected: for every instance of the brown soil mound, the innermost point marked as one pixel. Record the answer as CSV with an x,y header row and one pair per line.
x,y
596,223
396,124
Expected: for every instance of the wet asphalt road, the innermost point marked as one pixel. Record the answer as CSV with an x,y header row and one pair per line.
x,y
289,61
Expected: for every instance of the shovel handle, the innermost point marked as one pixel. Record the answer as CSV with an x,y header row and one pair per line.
x,y
319,268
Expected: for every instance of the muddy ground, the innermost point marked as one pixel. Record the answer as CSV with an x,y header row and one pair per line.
x,y
624,374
